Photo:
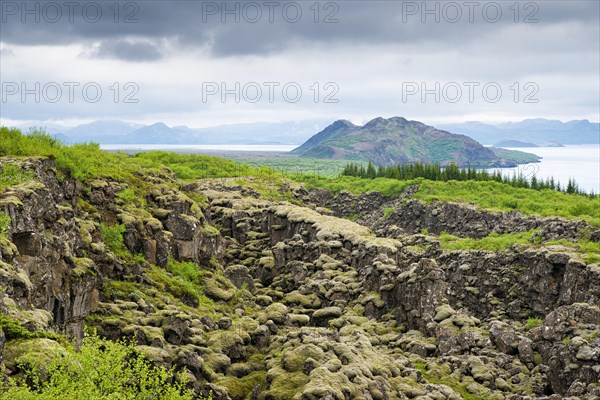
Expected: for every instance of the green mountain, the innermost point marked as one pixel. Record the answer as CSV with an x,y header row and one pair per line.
x,y
397,140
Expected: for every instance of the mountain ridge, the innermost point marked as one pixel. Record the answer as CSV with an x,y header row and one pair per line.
x,y
397,140
539,131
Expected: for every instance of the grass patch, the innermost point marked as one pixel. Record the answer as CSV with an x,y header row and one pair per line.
x,y
533,323
183,281
497,196
493,242
186,291
589,250
489,195
131,196
386,186
186,270
11,175
387,212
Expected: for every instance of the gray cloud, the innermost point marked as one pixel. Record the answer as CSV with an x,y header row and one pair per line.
x,y
126,51
370,51
200,23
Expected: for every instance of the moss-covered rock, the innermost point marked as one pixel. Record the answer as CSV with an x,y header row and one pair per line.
x,y
285,385
277,313
241,388
37,354
219,288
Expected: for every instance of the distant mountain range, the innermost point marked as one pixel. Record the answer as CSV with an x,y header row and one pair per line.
x,y
397,140
538,131
119,132
541,132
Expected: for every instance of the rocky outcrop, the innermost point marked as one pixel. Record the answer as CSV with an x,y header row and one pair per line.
x,y
45,269
467,304
403,215
252,297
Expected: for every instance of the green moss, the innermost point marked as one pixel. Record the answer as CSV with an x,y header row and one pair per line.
x,y
31,353
294,359
14,330
241,388
83,266
440,375
210,231
307,301
417,248
287,385
86,227
114,289
277,312
86,206
219,288
589,249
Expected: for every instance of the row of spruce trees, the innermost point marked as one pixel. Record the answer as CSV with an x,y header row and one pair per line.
x,y
436,172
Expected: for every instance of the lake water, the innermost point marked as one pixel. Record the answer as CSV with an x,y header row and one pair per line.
x,y
581,162
196,147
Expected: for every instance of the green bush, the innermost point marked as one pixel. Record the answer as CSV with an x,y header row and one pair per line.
x,y
113,237
187,270
101,369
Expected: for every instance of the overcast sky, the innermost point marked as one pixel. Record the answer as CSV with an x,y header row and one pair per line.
x,y
205,63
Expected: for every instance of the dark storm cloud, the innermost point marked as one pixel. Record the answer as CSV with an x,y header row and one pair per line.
x,y
269,27
126,51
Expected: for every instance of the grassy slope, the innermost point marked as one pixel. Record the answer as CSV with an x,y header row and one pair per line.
x,y
86,161
518,156
492,196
